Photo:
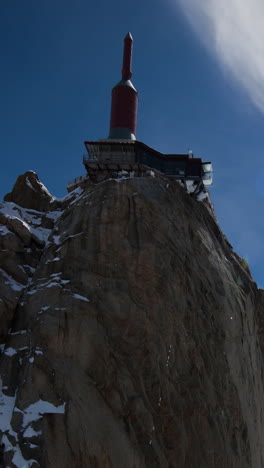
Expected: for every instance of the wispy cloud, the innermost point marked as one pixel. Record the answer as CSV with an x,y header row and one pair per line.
x,y
234,31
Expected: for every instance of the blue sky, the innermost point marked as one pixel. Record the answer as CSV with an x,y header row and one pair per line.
x,y
199,71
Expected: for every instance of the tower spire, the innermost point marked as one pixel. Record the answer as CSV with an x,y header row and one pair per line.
x,y
127,57
124,105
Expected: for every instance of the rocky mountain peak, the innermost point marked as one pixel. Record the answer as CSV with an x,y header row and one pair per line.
x,y
29,192
131,334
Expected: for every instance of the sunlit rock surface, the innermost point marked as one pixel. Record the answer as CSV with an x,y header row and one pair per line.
x,y
132,334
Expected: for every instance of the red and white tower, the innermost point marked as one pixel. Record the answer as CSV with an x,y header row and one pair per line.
x,y
123,153
124,106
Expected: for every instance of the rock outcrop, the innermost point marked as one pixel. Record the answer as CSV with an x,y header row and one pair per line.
x,y
132,334
29,192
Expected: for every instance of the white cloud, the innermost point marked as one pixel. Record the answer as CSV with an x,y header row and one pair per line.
x,y
233,30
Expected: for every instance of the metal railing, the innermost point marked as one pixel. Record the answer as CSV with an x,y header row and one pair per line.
x,y
77,180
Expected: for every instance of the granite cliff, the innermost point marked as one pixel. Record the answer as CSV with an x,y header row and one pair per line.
x,y
132,335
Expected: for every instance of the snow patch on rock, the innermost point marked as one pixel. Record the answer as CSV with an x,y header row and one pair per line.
x,y
10,352
36,411
7,404
10,281
81,298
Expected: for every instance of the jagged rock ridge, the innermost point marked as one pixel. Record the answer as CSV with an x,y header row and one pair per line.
x,y
131,333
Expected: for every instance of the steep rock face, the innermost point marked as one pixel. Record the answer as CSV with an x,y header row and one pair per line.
x,y
136,341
